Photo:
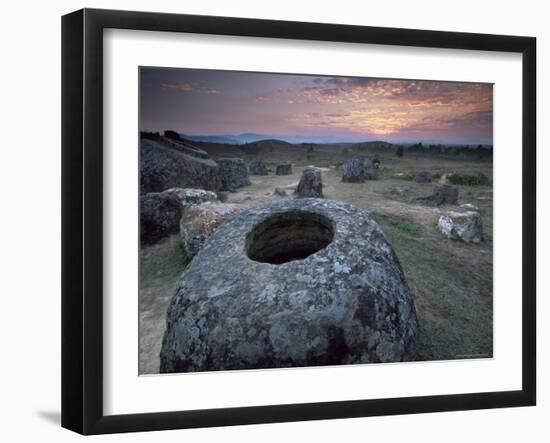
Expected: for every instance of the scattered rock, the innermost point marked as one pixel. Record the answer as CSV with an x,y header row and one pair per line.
x,y
159,216
376,163
473,179
354,171
280,286
399,190
371,172
233,173
283,169
281,192
257,167
443,195
163,167
465,226
189,196
200,221
469,206
311,184
423,177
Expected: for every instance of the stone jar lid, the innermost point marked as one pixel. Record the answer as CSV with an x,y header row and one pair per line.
x,y
294,283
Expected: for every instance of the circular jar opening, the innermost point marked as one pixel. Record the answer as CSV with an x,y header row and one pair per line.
x,y
288,236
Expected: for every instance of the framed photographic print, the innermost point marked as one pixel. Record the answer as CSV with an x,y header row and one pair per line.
x,y
269,221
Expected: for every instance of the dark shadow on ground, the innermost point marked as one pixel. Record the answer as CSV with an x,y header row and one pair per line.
x,y
54,417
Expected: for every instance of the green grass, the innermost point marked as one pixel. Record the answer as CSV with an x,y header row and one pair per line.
x,y
452,283
402,224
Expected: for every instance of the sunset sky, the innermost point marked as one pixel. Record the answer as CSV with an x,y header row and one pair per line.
x,y
204,102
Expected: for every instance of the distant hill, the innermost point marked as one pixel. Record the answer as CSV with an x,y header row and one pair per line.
x,y
241,139
266,146
218,146
211,139
374,146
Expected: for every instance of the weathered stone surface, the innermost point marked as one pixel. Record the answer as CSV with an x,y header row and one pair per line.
x,y
354,171
233,173
200,221
281,192
190,196
163,167
465,226
185,147
423,177
283,169
299,282
159,216
257,167
443,195
311,184
469,207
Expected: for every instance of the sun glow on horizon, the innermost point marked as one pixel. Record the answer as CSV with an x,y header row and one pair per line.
x,y
222,102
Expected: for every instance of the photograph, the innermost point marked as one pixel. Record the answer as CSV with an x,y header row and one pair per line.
x,y
275,222
298,220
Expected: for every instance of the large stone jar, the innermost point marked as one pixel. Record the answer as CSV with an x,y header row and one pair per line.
x,y
295,283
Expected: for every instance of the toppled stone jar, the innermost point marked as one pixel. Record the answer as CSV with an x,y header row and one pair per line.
x,y
295,283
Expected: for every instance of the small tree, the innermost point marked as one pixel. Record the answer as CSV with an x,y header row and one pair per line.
x,y
399,151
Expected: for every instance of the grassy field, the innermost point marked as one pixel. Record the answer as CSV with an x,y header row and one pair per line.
x,y
452,281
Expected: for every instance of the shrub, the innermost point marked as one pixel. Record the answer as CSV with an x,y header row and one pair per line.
x,y
172,134
149,135
474,179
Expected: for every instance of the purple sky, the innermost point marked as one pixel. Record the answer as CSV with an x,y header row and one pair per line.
x,y
206,102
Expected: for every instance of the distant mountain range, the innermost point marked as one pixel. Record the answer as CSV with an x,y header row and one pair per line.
x,y
241,139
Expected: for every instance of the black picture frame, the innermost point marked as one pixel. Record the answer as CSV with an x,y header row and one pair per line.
x,y
82,219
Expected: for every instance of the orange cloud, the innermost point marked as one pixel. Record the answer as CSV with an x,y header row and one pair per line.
x,y
385,107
